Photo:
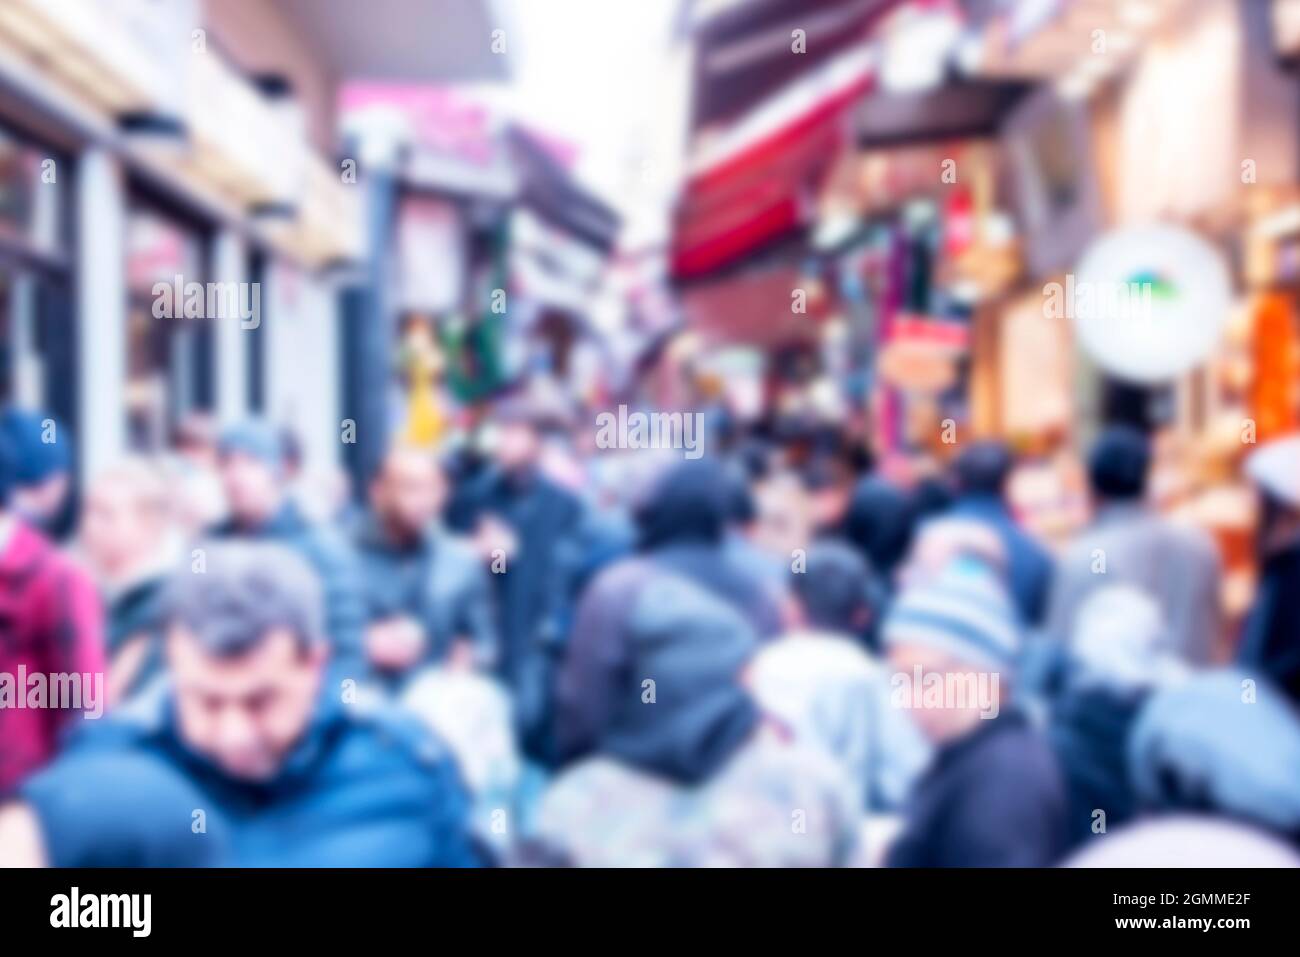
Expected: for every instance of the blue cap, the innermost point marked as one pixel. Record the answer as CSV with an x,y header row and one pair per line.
x,y
257,438
37,446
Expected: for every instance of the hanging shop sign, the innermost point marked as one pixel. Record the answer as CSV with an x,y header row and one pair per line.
x,y
922,353
1147,303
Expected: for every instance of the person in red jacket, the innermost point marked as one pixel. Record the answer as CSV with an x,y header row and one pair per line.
x,y
51,642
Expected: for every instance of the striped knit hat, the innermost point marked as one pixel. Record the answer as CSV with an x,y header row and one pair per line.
x,y
963,610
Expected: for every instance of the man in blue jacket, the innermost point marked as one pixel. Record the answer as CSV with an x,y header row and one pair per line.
x,y
529,529
251,756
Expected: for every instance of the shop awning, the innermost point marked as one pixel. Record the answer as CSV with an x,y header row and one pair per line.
x,y
751,306
548,189
753,301
757,181
960,109
744,52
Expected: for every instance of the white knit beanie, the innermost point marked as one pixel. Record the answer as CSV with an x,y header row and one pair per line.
x,y
963,610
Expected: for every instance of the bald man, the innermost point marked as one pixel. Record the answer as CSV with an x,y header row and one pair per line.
x,y
427,595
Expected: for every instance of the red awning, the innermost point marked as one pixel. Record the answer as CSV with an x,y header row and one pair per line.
x,y
755,181
743,53
752,306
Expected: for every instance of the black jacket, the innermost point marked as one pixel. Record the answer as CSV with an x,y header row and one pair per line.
x,y
1089,732
1271,640
991,799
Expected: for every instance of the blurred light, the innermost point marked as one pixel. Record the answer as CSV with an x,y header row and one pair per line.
x,y
1120,42
969,53
918,213
835,228
1284,222
1153,301
1076,86
1029,16
1139,13
916,51
155,132
1096,66
998,228
965,291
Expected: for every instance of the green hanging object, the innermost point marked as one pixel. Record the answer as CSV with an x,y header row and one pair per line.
x,y
475,352
475,346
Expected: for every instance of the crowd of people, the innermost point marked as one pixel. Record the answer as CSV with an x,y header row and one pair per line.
x,y
776,654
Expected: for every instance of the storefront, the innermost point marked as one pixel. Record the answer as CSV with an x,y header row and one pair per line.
x,y
169,360
36,353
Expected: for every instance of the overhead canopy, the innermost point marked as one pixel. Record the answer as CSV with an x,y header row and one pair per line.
x,y
960,109
550,191
756,182
744,53
751,306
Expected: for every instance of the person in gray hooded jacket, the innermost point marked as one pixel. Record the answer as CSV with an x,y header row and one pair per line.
x,y
673,616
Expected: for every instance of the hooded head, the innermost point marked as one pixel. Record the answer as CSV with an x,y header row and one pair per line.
x,y
690,502
253,471
981,470
1219,744
1117,467
836,590
957,629
258,440
963,611
41,468
687,711
879,523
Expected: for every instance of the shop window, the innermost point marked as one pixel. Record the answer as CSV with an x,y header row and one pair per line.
x,y
30,181
36,337
169,357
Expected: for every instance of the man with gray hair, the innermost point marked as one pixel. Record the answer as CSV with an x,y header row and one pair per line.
x,y
250,756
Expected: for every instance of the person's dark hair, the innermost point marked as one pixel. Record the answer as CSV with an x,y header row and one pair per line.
x,y
880,523
242,592
982,469
1117,467
932,496
741,507
1276,521
753,457
824,472
36,455
690,502
836,588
